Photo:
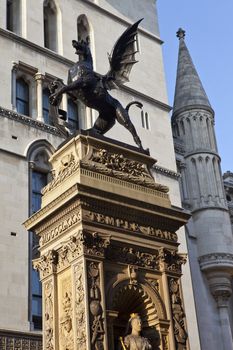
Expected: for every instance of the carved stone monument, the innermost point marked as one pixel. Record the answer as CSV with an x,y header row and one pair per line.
x,y
108,248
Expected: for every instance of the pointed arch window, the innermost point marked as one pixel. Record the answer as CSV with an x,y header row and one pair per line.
x,y
50,25
83,28
39,171
22,96
13,16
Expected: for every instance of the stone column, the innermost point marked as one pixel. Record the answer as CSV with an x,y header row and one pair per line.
x,y
39,90
13,84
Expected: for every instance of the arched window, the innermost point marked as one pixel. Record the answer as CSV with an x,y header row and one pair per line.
x,y
50,25
46,94
13,16
72,112
39,172
22,96
83,28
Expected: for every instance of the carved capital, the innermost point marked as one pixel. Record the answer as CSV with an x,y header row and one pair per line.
x,y
171,261
46,264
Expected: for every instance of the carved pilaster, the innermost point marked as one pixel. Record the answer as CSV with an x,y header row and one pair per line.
x,y
49,341
178,315
80,309
66,316
96,308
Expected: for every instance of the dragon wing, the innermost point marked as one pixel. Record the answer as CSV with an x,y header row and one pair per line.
x,y
122,58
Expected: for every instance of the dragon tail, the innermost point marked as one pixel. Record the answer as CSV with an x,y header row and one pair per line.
x,y
137,103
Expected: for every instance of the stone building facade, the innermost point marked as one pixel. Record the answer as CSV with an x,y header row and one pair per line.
x,y
36,48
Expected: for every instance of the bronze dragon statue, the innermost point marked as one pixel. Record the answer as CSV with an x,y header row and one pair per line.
x,y
91,88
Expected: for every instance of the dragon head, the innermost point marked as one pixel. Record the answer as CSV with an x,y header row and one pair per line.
x,y
81,47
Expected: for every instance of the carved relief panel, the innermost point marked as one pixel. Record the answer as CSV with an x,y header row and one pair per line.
x,y
65,307
96,308
48,297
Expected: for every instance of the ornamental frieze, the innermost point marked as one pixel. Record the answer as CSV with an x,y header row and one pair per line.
x,y
147,182
130,226
118,162
133,256
18,341
60,228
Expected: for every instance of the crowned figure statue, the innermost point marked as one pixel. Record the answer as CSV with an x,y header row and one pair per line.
x,y
134,340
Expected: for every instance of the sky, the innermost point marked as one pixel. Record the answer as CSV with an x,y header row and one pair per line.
x,y
209,38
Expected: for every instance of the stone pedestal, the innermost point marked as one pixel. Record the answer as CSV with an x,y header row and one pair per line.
x,y
108,247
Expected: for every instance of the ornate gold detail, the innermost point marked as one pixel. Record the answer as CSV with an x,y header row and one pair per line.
x,y
178,315
48,316
66,325
46,264
131,226
69,165
80,308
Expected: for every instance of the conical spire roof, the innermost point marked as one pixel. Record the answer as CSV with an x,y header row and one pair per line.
x,y
189,92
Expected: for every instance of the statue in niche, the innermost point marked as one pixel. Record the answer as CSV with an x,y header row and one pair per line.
x,y
92,88
134,340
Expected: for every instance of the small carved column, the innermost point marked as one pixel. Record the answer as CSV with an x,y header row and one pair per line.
x,y
39,89
13,84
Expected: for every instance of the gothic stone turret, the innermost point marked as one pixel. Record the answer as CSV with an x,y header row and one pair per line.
x,y
209,231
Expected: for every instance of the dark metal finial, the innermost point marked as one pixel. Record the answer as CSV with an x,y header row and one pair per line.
x,y
180,33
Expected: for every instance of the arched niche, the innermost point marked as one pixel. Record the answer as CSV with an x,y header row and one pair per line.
x,y
124,298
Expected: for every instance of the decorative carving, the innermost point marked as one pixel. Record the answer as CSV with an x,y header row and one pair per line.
x,y
215,260
46,264
70,249
166,172
67,222
165,342
118,162
48,316
170,260
69,165
131,226
19,341
94,244
96,312
145,181
133,256
154,284
28,121
66,326
132,271
80,307
178,315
